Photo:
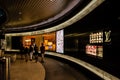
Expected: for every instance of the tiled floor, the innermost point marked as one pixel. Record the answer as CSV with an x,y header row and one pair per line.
x,y
21,70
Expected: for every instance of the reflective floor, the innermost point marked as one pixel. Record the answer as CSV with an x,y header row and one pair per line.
x,y
56,70
51,69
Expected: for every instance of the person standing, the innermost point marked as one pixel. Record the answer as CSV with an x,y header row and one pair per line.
x,y
36,53
26,50
31,48
21,50
42,49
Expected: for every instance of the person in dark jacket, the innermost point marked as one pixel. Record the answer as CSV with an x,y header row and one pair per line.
x,y
21,50
36,53
42,49
26,50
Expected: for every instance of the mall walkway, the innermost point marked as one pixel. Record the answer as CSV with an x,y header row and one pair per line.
x,y
51,69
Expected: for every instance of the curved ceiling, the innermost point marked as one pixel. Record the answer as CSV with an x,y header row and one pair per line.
x,y
31,13
86,9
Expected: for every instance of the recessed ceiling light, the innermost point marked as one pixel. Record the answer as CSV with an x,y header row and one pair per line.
x,y
20,13
52,0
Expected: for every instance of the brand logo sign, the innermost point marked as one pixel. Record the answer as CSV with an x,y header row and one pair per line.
x,y
100,37
107,36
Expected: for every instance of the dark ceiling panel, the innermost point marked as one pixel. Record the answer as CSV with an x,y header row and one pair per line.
x,y
23,13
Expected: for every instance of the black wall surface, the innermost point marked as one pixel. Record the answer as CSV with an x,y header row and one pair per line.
x,y
104,18
16,42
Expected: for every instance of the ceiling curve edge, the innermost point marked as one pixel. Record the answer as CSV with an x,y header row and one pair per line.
x,y
91,6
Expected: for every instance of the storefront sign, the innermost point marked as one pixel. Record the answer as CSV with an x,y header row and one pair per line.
x,y
97,37
107,36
